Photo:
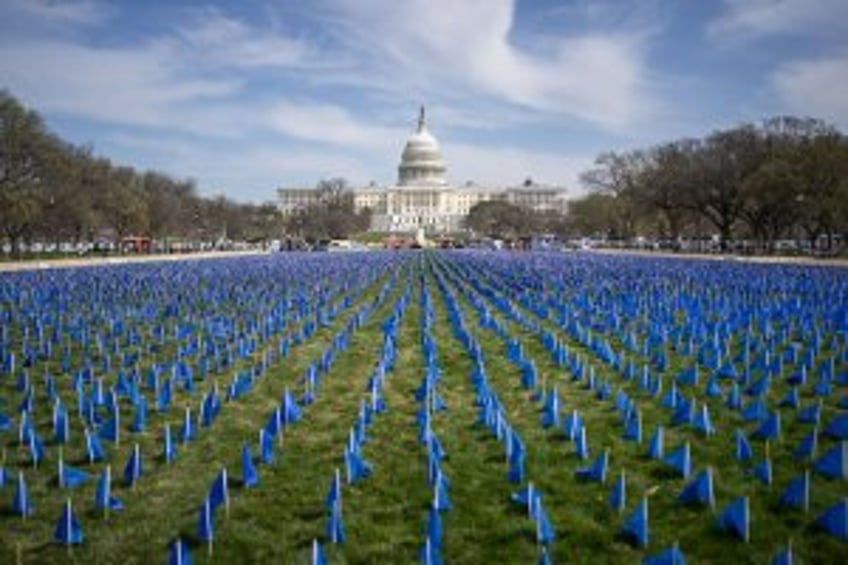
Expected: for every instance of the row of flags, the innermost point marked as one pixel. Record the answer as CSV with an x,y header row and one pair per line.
x,y
72,477
290,411
681,459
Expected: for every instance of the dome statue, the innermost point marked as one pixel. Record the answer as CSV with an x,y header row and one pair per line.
x,y
421,163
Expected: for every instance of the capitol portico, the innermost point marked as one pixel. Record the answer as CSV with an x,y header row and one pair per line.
x,y
423,198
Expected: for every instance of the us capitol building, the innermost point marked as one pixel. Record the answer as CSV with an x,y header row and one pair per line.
x,y
423,199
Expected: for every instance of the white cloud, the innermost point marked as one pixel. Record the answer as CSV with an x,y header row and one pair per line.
x,y
50,12
756,18
816,87
509,166
220,41
330,124
144,86
443,46
245,173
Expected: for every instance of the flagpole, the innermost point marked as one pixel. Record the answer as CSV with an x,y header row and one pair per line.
x,y
108,490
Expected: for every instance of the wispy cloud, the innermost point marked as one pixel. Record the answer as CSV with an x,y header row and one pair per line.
x,y
142,86
816,87
219,41
757,18
51,12
443,46
332,125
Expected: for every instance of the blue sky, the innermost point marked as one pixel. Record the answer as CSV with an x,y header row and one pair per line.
x,y
248,96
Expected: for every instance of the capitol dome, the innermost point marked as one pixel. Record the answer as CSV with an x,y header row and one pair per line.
x,y
421,163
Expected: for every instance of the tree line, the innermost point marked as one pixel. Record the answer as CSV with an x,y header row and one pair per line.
x,y
786,178
332,215
55,191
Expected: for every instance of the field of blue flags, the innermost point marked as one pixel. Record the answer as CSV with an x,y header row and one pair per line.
x,y
436,407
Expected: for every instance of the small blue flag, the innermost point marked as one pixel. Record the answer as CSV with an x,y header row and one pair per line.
x,y
834,463
797,493
179,553
21,502
249,473
635,528
618,496
834,520
68,530
133,468
670,556
736,519
103,498
700,490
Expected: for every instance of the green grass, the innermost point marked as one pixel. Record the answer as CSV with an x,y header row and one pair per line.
x,y
385,515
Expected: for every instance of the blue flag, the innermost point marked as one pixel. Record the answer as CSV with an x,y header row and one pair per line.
x,y
784,556
573,425
71,477
807,448
266,447
618,496
700,490
736,519
169,448
248,469
205,522
21,502
635,528
763,471
430,554
434,527
103,498
670,556
111,430
834,520
68,530
188,432
133,468
598,471
335,493
770,428
838,427
36,448
680,460
335,525
441,500
179,553
656,445
743,447
834,463
633,427
581,447
544,530
318,557
219,492
797,493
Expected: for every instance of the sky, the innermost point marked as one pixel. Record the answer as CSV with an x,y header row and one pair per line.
x,y
245,97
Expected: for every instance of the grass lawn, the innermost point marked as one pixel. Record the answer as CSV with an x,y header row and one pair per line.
x,y
385,515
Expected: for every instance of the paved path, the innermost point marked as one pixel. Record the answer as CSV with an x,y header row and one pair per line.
x,y
771,259
97,261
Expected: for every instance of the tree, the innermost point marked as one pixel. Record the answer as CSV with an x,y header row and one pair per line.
x,y
122,204
720,166
594,215
499,219
619,175
664,184
332,216
821,165
24,144
770,195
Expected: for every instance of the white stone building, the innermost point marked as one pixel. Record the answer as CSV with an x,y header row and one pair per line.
x,y
423,198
